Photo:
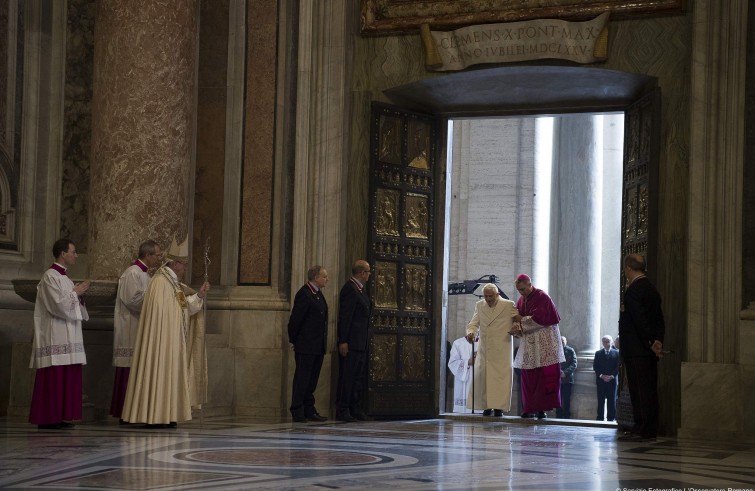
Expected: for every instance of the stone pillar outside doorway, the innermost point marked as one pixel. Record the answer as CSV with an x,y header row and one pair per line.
x,y
576,231
143,128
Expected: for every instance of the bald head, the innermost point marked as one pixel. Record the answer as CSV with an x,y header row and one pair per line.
x,y
359,266
635,262
361,271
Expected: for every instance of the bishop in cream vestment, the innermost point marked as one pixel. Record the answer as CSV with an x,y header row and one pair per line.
x,y
161,386
492,369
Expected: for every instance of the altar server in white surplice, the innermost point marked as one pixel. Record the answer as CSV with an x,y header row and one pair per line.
x,y
128,306
58,347
492,320
460,363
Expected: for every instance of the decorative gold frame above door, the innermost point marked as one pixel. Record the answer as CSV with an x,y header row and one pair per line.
x,y
407,15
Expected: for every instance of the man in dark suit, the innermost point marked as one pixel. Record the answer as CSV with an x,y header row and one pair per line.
x,y
353,323
606,367
567,380
641,329
308,332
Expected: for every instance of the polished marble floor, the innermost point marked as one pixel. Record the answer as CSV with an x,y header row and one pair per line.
x,y
464,453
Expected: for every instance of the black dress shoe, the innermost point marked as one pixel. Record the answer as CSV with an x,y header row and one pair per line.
x,y
345,417
65,425
497,413
487,412
172,425
51,426
316,418
297,415
361,417
528,415
541,415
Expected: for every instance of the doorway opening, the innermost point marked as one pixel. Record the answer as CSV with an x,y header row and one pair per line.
x,y
540,195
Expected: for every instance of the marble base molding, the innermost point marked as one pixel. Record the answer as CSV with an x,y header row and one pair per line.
x,y
716,399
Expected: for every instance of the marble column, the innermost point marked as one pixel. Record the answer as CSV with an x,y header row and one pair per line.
x,y
576,231
143,128
717,374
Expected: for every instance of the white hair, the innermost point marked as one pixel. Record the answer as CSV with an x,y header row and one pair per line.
x,y
490,286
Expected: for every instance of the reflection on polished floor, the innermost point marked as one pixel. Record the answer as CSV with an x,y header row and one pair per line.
x,y
466,453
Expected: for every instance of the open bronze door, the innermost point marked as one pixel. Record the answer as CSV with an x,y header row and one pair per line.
x,y
404,181
639,210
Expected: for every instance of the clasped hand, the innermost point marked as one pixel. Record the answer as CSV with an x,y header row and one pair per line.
x,y
516,330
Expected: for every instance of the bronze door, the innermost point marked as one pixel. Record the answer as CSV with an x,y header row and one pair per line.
x,y
403,179
640,194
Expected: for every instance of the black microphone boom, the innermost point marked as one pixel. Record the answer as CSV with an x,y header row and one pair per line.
x,y
468,287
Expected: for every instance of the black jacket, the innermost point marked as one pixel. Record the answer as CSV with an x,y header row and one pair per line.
x,y
641,319
606,364
569,365
353,316
308,324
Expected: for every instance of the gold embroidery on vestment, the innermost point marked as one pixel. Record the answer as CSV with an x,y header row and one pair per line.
x,y
182,299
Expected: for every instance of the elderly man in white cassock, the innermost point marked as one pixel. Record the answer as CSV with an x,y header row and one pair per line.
x,y
493,318
168,373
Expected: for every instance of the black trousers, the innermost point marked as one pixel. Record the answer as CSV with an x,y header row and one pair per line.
x,y
565,410
305,382
606,392
352,375
642,379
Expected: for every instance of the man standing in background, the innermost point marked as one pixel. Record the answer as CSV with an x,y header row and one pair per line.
x,y
354,309
606,367
641,328
567,380
308,332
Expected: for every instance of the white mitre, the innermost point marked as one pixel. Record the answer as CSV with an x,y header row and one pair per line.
x,y
178,252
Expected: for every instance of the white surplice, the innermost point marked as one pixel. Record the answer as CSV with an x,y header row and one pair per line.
x,y
58,313
128,305
458,363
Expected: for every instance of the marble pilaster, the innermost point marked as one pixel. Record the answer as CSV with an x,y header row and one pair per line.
x,y
142,128
320,156
715,384
716,160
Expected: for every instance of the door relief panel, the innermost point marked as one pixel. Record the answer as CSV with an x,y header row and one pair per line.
x,y
402,200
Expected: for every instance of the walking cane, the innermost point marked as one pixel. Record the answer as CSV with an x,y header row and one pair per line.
x,y
204,313
474,362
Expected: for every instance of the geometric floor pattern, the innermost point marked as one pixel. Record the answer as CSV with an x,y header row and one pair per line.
x,y
228,454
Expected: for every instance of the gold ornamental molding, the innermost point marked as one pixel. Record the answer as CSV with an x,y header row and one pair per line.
x,y
580,42
381,16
